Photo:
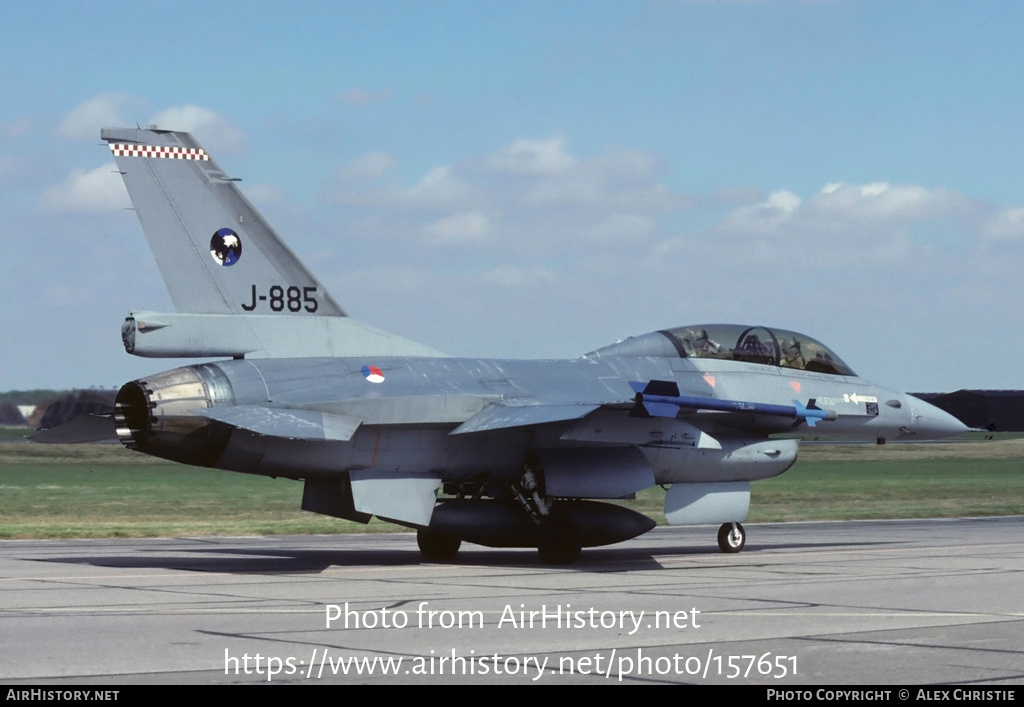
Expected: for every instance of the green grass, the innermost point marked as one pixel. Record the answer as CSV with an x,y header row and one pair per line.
x,y
77,491
913,488
15,432
106,491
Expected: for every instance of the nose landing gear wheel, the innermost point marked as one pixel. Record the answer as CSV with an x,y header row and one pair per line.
x,y
732,537
435,546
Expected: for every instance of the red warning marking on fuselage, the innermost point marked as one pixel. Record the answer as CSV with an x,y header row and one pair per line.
x,y
795,385
710,380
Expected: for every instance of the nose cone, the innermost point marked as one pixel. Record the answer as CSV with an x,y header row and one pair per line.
x,y
929,422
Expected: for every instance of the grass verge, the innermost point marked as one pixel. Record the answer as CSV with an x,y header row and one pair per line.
x,y
79,491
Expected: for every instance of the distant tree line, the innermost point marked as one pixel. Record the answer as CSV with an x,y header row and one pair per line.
x,y
30,397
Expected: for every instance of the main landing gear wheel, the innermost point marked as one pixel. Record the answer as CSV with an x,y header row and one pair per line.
x,y
558,542
437,547
732,537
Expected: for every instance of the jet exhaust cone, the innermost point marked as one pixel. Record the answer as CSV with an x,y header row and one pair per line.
x,y
157,416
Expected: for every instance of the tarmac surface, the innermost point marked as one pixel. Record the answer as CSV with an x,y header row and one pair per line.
x,y
874,602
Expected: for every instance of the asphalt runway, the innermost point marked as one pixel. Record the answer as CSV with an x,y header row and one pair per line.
x,y
884,602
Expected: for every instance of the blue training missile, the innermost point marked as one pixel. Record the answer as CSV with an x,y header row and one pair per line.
x,y
661,399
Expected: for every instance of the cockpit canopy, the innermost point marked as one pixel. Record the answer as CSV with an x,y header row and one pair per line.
x,y
734,342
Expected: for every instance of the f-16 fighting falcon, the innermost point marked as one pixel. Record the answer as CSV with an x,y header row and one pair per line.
x,y
502,453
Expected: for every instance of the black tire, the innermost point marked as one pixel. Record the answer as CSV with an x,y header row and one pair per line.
x,y
437,547
559,543
730,539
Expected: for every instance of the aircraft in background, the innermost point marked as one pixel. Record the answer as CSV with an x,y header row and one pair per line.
x,y
502,453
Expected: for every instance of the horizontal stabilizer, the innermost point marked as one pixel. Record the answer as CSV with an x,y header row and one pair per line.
x,y
498,416
79,430
185,335
289,424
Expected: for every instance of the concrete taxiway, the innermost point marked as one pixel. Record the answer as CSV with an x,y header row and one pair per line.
x,y
885,602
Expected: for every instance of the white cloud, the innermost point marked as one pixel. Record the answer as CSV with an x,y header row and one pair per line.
x,y
366,167
625,167
612,222
623,228
532,157
842,224
1004,224
765,218
99,191
458,229
874,189
606,243
441,188
783,200
102,111
512,276
617,181
531,197
527,171
882,201
109,109
215,132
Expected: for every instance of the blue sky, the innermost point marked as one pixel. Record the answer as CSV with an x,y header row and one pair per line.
x,y
527,179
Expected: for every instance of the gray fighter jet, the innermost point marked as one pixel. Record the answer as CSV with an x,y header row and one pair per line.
x,y
503,453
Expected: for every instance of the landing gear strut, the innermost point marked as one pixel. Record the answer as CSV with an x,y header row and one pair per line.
x,y
558,541
731,537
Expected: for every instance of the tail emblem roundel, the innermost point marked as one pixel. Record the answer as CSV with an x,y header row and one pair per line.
x,y
226,247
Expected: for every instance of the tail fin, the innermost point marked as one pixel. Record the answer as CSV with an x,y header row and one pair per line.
x,y
215,252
